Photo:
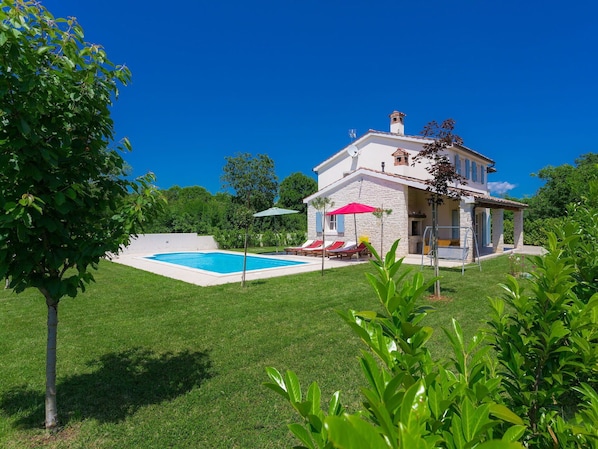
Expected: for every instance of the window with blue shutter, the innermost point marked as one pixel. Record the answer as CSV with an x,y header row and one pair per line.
x,y
319,222
457,164
467,168
474,171
340,223
483,174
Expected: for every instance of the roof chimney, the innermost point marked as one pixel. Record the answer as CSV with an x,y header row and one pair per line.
x,y
397,122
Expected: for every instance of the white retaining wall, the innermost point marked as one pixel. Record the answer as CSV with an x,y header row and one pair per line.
x,y
162,243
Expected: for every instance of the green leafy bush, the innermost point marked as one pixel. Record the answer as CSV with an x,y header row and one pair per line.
x,y
410,401
546,341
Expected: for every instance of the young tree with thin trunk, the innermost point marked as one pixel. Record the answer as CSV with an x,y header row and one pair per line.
x,y
65,200
255,184
322,204
443,175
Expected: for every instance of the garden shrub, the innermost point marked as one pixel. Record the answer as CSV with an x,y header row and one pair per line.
x,y
410,401
538,387
546,341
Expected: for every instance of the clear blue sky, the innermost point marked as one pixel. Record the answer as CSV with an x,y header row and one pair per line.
x,y
289,78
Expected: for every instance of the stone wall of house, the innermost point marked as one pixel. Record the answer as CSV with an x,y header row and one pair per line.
x,y
172,242
373,192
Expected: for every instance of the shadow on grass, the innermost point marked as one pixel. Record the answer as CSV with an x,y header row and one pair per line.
x,y
120,384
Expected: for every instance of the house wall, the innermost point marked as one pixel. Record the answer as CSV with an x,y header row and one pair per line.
x,y
377,149
373,192
371,155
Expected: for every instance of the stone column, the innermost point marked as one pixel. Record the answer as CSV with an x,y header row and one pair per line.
x,y
498,238
466,220
518,229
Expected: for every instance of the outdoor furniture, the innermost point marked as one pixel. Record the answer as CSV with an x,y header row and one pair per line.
x,y
336,245
348,245
312,250
360,250
307,244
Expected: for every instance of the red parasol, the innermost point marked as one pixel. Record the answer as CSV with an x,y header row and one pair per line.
x,y
353,208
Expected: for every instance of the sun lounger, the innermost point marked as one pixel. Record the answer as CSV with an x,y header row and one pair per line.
x,y
348,245
312,250
308,244
335,245
360,250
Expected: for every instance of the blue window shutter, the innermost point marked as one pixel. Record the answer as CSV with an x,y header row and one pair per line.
x,y
457,164
483,174
488,229
340,223
467,169
318,221
474,171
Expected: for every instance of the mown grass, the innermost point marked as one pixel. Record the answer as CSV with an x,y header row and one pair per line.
x,y
149,362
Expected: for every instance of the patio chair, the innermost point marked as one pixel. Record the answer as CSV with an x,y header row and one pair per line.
x,y
360,250
307,244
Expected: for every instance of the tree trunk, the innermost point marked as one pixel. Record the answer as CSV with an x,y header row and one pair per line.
x,y
435,247
244,259
323,239
51,408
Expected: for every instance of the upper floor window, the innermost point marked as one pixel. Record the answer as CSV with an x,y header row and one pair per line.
x,y
401,157
483,174
457,164
467,169
474,172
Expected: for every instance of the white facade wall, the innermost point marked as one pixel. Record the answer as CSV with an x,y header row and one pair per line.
x,y
375,149
173,242
373,192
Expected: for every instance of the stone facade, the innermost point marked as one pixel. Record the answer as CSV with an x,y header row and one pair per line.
x,y
373,192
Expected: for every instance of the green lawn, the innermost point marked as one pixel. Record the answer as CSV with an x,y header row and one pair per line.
x,y
149,362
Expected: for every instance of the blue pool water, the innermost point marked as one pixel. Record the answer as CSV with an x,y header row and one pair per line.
x,y
221,263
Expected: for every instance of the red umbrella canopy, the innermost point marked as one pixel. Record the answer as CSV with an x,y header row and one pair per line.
x,y
352,208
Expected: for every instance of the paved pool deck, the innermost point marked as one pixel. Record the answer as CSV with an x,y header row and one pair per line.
x,y
205,278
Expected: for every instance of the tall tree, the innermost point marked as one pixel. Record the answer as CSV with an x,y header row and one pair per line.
x,y
64,198
292,190
255,184
253,180
443,175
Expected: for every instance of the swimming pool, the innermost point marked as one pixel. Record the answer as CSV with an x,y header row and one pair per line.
x,y
221,263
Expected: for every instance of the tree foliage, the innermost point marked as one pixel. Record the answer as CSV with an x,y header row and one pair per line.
x,y
65,200
443,175
252,179
293,189
564,184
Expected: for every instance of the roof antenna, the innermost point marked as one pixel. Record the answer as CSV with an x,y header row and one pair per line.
x,y
352,134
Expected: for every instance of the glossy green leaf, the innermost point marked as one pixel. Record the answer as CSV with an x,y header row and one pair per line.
x,y
293,386
351,432
303,435
502,412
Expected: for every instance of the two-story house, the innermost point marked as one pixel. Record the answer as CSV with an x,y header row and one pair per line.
x,y
377,169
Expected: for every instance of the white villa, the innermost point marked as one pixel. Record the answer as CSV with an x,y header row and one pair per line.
x,y
376,169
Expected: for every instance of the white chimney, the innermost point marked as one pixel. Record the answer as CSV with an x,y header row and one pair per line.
x,y
397,122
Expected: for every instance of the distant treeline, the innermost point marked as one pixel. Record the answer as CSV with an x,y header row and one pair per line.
x,y
565,186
